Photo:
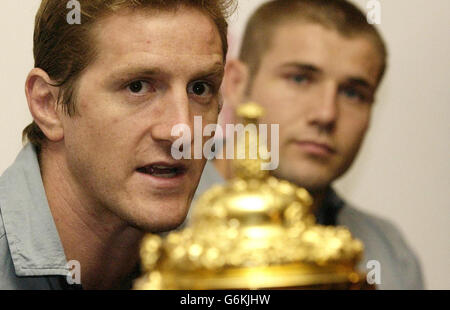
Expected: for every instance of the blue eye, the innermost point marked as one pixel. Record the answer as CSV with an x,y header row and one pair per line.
x,y
353,94
299,78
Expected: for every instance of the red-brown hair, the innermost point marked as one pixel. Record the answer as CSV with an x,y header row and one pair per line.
x,y
64,50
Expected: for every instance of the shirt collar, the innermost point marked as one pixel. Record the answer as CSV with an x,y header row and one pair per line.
x,y
328,212
31,233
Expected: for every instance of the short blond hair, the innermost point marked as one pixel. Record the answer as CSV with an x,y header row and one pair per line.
x,y
64,50
339,15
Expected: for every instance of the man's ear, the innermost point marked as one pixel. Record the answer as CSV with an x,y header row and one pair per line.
x,y
42,100
235,82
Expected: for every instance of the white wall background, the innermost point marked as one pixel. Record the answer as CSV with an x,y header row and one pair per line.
x,y
403,171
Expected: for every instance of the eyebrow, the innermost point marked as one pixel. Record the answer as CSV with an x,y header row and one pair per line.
x,y
302,66
361,82
125,73
217,69
356,80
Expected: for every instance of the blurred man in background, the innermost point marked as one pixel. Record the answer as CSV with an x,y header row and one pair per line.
x,y
315,67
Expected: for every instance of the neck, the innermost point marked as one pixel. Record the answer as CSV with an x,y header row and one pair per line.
x,y
318,198
106,247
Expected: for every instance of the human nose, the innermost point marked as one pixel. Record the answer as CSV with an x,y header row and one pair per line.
x,y
324,109
175,110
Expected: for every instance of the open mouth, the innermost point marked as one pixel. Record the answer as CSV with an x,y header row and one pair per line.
x,y
163,171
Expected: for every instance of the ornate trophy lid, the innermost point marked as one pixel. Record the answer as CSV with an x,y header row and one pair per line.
x,y
254,232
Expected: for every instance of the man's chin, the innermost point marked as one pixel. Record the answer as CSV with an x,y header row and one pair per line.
x,y
154,215
159,226
313,181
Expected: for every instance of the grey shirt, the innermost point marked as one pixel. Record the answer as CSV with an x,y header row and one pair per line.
x,y
31,253
383,242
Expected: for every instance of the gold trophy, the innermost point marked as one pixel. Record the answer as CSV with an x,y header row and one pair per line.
x,y
254,232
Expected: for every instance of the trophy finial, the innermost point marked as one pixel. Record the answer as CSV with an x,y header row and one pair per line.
x,y
250,111
248,160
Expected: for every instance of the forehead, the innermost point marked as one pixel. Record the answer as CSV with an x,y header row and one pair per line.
x,y
325,49
169,34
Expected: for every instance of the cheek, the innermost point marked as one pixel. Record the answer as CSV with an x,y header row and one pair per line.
x,y
281,105
210,117
78,139
351,132
95,145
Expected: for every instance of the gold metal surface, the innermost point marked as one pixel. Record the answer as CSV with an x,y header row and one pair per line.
x,y
254,232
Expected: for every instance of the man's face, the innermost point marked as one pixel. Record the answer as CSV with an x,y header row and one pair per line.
x,y
153,70
319,86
